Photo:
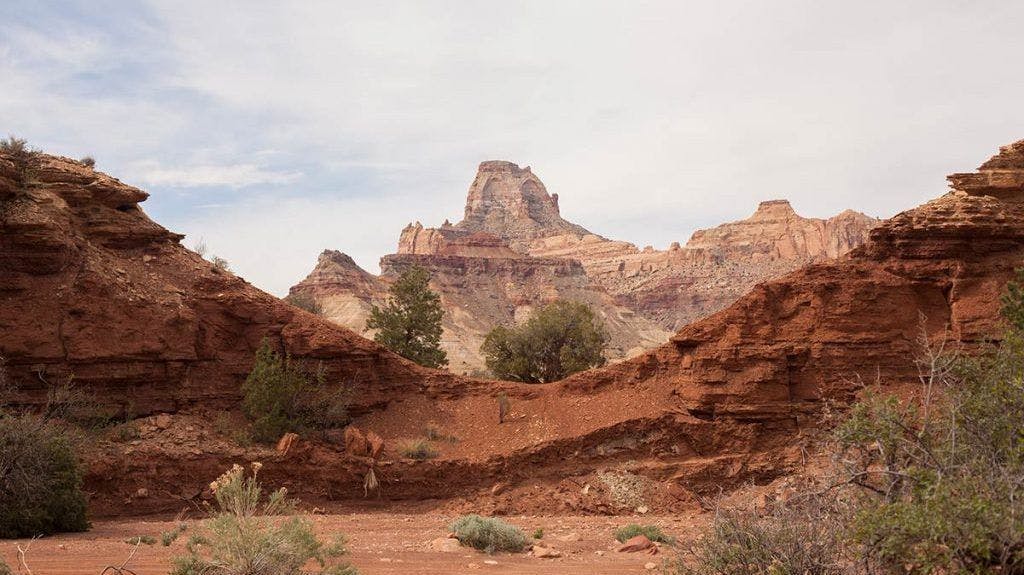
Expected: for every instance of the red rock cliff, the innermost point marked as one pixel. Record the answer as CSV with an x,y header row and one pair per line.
x,y
93,288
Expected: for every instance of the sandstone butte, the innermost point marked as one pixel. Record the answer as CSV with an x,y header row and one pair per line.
x,y
94,288
513,252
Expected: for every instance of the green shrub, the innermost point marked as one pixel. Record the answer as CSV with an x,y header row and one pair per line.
x,y
558,340
652,532
281,396
785,540
244,535
40,479
417,449
538,533
168,537
488,534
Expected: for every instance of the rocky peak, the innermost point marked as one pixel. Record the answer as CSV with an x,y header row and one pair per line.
x,y
774,210
334,269
512,203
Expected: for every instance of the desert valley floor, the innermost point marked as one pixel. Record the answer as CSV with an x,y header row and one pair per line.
x,y
380,543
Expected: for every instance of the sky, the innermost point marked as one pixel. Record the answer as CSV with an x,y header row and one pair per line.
x,y
271,131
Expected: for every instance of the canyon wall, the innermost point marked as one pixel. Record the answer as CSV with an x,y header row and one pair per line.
x,y
92,288
513,252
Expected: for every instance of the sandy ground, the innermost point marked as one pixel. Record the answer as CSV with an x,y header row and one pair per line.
x,y
379,543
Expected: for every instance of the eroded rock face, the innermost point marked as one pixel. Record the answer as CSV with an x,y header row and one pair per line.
x,y
93,288
482,284
644,295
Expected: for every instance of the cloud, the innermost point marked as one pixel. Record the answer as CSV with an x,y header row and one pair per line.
x,y
152,173
649,119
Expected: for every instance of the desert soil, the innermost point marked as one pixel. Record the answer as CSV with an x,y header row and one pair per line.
x,y
379,544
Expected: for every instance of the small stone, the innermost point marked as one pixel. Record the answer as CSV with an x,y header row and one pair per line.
x,y
637,544
570,537
490,562
545,552
650,565
599,553
162,421
642,509
141,493
445,545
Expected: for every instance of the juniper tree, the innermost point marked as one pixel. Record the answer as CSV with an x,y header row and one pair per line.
x,y
409,323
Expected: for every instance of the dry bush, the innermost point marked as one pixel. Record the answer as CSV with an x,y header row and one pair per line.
x,y
418,449
249,534
800,538
40,479
88,161
503,406
434,433
488,534
69,403
23,157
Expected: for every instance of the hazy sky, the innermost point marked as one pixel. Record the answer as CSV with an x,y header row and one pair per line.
x,y
274,132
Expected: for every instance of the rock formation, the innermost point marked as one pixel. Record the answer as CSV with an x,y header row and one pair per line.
x,y
643,295
92,287
482,285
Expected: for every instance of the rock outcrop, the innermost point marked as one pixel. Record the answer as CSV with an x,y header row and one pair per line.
x,y
92,287
482,285
644,295
504,201
676,286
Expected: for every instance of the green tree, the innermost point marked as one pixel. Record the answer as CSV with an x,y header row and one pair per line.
x,y
558,340
409,324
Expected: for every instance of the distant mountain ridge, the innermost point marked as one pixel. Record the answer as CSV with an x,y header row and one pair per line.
x,y
513,251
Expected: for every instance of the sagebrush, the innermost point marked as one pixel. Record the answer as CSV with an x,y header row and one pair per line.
x,y
488,534
786,539
249,534
652,532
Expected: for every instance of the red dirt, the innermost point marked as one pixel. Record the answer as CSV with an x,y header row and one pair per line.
x,y
379,544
